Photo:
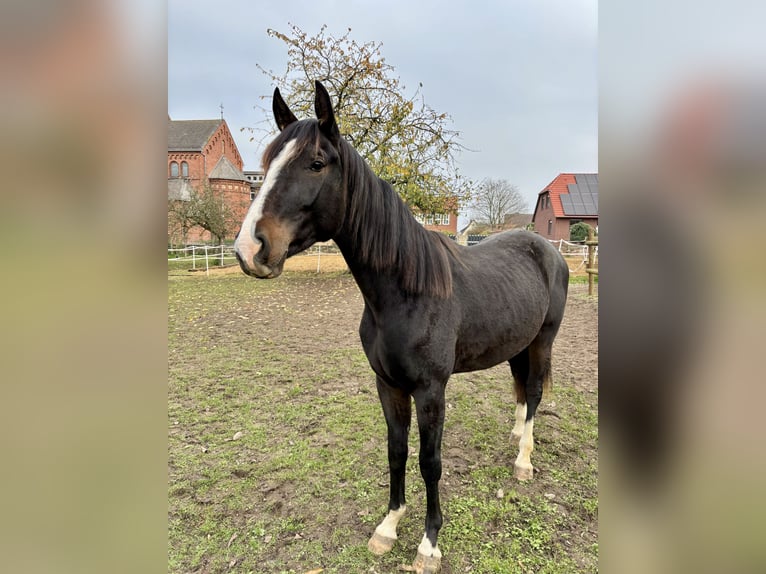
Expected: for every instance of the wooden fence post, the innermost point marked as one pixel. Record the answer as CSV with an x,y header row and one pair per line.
x,y
591,269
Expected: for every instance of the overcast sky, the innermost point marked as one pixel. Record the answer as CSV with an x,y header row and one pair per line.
x,y
519,78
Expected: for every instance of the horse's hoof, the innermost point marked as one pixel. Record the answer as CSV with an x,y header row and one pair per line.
x,y
379,545
427,564
523,472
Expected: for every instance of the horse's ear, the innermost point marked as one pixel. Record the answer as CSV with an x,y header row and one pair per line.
x,y
323,108
282,113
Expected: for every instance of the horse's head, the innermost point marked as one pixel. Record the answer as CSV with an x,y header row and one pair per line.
x,y
302,199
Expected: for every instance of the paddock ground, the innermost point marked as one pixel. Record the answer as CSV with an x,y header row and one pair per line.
x,y
277,444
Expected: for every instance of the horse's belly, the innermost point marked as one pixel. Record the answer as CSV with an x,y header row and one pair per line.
x,y
480,347
478,360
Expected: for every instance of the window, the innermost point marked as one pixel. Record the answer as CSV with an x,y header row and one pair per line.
x,y
252,195
184,169
173,169
445,218
550,227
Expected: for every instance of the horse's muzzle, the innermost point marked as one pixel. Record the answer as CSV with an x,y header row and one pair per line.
x,y
249,263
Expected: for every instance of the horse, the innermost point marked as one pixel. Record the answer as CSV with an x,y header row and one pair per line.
x,y
431,307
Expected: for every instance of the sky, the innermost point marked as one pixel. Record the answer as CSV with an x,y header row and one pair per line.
x,y
518,78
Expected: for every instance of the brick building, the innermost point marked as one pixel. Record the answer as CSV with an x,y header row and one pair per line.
x,y
570,198
444,222
255,179
200,153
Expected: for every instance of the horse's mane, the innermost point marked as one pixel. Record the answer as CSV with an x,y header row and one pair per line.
x,y
379,226
387,237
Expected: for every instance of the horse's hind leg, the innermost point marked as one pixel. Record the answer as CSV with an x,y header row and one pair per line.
x,y
520,370
532,371
532,367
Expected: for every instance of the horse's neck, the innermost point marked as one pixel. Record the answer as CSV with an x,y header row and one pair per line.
x,y
387,250
373,283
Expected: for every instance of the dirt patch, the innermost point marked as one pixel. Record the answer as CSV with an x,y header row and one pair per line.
x,y
303,487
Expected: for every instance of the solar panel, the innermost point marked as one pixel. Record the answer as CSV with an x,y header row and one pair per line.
x,y
582,198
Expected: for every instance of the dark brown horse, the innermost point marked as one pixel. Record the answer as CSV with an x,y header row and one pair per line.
x,y
432,308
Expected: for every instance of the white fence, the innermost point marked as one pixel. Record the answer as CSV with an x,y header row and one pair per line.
x,y
574,250
206,256
200,256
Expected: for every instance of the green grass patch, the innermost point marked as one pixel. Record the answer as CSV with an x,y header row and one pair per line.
x,y
277,445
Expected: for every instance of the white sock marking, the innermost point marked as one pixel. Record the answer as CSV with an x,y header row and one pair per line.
x,y
526,444
521,417
387,528
426,549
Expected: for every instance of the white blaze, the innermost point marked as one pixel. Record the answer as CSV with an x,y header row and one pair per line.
x,y
245,242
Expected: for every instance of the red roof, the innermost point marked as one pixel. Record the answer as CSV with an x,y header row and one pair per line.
x,y
556,188
579,191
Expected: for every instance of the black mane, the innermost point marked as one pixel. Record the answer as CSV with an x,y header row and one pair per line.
x,y
387,237
381,228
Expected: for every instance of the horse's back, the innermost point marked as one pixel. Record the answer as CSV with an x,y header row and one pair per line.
x,y
551,264
520,253
508,287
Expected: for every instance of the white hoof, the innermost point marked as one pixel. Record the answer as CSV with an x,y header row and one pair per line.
x,y
379,544
523,472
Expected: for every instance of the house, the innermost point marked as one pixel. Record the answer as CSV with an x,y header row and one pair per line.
x,y
470,234
516,221
255,179
200,153
444,222
570,198
475,231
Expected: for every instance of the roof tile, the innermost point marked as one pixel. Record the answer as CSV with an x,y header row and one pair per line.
x,y
190,135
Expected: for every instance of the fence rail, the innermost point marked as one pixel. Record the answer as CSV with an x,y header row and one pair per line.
x,y
592,268
207,256
588,251
201,256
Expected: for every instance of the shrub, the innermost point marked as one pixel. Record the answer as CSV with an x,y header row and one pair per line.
x,y
578,232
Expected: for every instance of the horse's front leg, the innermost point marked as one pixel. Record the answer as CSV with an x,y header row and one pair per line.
x,y
429,406
398,412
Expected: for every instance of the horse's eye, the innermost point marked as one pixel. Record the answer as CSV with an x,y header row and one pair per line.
x,y
317,166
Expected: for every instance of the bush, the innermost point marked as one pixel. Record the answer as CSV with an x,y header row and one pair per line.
x,y
578,232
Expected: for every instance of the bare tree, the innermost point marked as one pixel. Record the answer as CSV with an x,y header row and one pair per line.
x,y
494,199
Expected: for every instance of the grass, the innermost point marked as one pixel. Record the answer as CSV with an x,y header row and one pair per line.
x,y
278,364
